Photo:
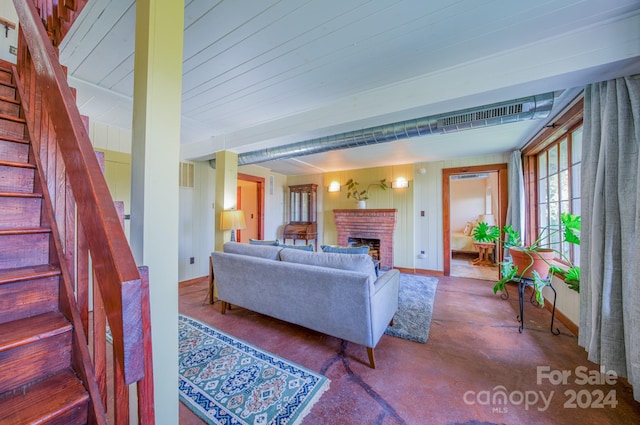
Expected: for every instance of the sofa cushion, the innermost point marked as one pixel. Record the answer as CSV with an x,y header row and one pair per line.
x,y
345,249
264,251
301,247
275,242
352,262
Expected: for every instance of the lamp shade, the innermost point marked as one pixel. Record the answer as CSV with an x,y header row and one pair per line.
x,y
232,219
487,218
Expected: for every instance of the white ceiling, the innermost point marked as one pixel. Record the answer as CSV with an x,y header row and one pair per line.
x,y
263,73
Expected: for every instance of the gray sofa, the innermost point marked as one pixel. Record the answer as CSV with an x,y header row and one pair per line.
x,y
336,294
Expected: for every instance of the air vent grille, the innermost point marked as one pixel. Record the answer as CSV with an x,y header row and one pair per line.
x,y
187,172
486,114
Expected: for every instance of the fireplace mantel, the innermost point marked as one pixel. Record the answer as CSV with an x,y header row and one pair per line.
x,y
368,224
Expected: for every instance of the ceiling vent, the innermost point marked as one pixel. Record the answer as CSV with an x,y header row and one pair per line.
x,y
527,108
470,176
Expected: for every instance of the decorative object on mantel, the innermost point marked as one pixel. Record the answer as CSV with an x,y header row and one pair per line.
x,y
362,195
232,220
226,380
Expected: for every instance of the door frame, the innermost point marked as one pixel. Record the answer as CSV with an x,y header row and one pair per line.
x,y
260,183
503,194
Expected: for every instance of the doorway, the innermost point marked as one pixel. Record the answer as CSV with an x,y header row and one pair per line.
x,y
471,194
250,199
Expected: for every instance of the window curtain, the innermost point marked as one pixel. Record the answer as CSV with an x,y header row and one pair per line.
x,y
609,254
515,208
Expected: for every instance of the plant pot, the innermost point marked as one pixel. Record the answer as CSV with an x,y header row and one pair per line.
x,y
362,204
532,260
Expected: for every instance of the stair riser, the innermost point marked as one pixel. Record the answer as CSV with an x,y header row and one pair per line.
x,y
15,179
24,250
14,152
11,128
9,108
77,416
7,91
5,76
34,361
19,212
30,298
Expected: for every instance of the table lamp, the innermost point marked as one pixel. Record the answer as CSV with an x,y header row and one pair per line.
x,y
232,220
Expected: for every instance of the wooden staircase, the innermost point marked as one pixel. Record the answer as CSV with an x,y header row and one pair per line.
x,y
66,269
39,383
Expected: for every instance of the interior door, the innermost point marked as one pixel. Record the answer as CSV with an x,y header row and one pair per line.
x,y
251,201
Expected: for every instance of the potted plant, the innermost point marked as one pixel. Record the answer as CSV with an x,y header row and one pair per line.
x,y
534,261
362,195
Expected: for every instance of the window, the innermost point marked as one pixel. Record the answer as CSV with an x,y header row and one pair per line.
x,y
558,182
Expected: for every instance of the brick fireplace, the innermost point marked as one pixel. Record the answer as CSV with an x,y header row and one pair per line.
x,y
368,224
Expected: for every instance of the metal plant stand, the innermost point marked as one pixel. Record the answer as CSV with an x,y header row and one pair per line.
x,y
523,282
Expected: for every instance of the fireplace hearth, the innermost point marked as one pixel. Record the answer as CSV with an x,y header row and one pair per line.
x,y
368,224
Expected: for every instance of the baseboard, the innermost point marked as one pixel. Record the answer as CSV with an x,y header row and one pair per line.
x,y
194,280
573,328
419,271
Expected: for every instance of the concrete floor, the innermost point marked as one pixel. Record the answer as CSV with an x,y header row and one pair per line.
x,y
474,351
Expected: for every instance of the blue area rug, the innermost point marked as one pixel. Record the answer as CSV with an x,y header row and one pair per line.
x,y
415,307
228,381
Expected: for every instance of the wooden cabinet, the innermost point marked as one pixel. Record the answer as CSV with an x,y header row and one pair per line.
x,y
302,214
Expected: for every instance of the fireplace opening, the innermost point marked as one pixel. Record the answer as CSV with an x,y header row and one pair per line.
x,y
373,244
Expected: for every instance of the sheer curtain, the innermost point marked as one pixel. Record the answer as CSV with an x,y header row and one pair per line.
x,y
609,254
515,209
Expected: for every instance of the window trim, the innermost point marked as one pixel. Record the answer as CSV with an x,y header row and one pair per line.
x,y
570,119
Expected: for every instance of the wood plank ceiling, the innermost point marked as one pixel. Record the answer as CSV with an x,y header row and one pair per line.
x,y
261,73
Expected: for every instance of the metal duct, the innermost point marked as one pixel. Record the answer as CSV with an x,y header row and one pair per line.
x,y
526,108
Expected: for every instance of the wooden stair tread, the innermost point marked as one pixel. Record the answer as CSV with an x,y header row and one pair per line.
x,y
7,83
9,100
20,195
23,331
24,231
44,401
21,274
14,139
12,118
17,164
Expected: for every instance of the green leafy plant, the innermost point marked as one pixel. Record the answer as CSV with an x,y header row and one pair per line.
x,y
570,228
482,232
362,195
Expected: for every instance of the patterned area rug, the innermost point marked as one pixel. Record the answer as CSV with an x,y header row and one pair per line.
x,y
415,306
228,381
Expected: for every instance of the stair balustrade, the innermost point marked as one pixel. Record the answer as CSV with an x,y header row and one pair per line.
x,y
88,234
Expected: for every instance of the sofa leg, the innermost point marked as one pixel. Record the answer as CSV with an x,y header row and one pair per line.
x,y
223,307
372,359
391,322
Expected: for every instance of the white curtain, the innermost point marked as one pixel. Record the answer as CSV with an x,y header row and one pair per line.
x,y
515,208
609,254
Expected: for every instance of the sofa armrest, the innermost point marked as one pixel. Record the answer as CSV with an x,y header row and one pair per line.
x,y
387,278
384,303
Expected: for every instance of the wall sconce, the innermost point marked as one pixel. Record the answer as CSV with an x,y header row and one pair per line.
x,y
334,187
400,183
232,220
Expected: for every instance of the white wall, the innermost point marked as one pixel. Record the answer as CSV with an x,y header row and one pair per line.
x,y
8,38
428,198
196,233
467,202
